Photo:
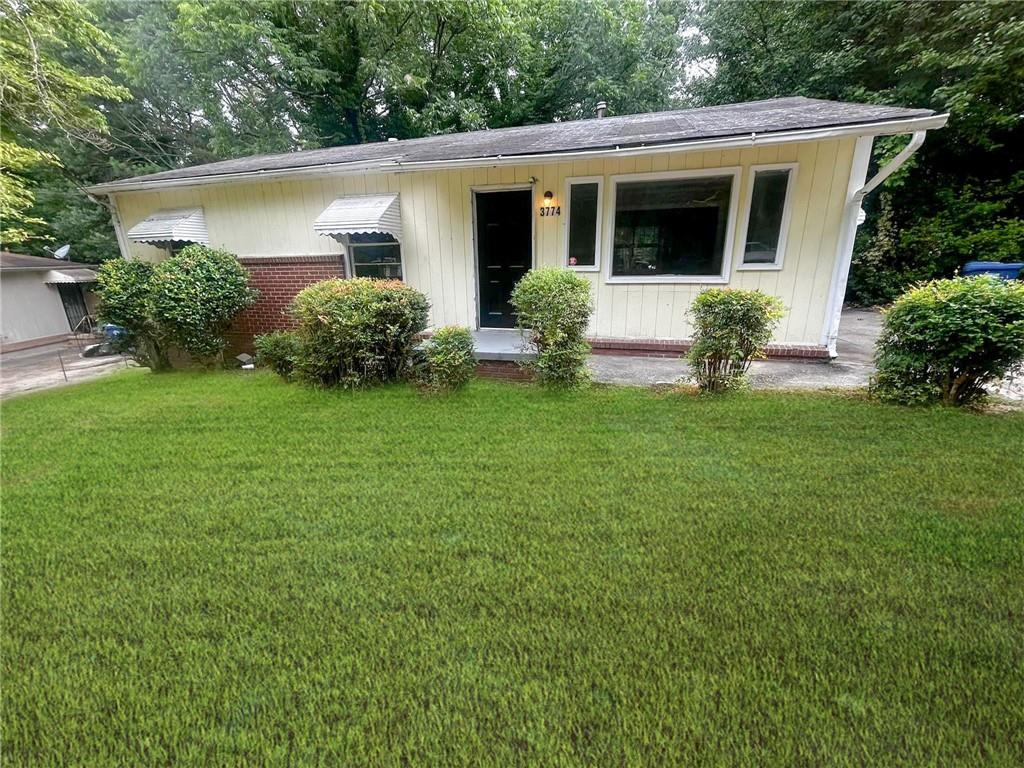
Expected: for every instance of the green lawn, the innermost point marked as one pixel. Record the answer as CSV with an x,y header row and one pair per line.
x,y
224,569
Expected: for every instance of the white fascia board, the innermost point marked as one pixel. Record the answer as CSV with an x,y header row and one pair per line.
x,y
886,128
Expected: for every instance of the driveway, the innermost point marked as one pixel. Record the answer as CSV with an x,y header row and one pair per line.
x,y
53,365
850,370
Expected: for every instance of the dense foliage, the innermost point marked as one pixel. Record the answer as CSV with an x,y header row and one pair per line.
x,y
730,329
554,307
196,294
278,350
944,340
449,360
358,331
47,95
186,302
125,289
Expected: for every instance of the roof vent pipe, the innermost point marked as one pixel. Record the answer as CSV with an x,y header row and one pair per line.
x,y
601,110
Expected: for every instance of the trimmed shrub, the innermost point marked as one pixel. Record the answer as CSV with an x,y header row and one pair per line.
x,y
196,294
125,290
358,331
554,305
278,350
731,328
448,358
186,301
944,340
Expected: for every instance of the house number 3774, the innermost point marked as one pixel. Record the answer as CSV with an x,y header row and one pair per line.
x,y
551,210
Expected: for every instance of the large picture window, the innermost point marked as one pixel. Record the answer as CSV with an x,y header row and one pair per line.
x,y
767,217
376,255
673,228
583,226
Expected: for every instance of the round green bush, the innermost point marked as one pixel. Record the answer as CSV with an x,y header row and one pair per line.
x,y
450,362
277,350
196,294
554,305
944,340
186,301
731,328
358,331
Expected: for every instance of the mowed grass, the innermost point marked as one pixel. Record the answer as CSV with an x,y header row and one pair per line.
x,y
224,569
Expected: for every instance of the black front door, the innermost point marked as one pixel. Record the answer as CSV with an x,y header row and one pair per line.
x,y
74,305
504,251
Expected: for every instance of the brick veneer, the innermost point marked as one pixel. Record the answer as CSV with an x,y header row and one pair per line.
x,y
641,348
507,370
278,279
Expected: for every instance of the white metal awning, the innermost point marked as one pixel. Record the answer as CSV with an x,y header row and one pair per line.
x,y
70,276
362,214
170,225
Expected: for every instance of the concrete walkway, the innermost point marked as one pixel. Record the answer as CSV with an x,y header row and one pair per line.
x,y
850,370
53,365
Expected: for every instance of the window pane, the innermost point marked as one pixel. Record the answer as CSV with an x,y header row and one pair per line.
x,y
380,261
765,227
674,227
582,224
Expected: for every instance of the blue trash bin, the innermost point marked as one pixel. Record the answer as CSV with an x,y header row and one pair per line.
x,y
1007,270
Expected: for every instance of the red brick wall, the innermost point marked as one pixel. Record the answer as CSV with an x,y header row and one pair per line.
x,y
278,279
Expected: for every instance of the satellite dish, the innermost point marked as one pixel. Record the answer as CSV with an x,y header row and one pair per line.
x,y
62,252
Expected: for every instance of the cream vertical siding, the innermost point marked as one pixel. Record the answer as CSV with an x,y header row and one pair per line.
x,y
275,218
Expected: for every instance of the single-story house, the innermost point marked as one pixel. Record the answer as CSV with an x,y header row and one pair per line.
x,y
651,208
43,300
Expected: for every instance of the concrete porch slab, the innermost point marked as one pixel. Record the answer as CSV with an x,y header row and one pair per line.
x,y
502,344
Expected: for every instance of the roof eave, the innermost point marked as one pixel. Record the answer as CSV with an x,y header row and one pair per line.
x,y
878,128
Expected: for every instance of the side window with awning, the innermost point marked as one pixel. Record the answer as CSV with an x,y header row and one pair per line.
x,y
376,255
370,227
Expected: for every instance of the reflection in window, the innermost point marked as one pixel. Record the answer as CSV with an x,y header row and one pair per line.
x,y
376,255
583,204
672,227
767,205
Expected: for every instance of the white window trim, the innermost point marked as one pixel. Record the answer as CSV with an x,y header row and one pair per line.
x,y
787,211
730,226
569,182
350,265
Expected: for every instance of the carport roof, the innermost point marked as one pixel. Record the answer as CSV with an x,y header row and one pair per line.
x,y
760,118
10,262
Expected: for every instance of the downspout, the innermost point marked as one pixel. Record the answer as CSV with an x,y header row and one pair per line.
x,y
856,192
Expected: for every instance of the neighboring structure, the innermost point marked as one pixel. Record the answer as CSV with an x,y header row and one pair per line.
x,y
651,208
42,300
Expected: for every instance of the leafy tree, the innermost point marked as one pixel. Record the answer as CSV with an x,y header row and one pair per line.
x,y
40,93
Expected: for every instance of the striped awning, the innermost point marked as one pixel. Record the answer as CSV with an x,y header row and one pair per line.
x,y
172,225
362,214
70,276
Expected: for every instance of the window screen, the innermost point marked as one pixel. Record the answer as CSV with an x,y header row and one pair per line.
x,y
673,227
583,203
767,204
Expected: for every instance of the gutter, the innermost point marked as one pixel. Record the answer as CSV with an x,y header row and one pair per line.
x,y
857,190
886,128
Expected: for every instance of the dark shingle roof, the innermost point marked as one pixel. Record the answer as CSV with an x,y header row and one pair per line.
x,y
19,261
650,129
